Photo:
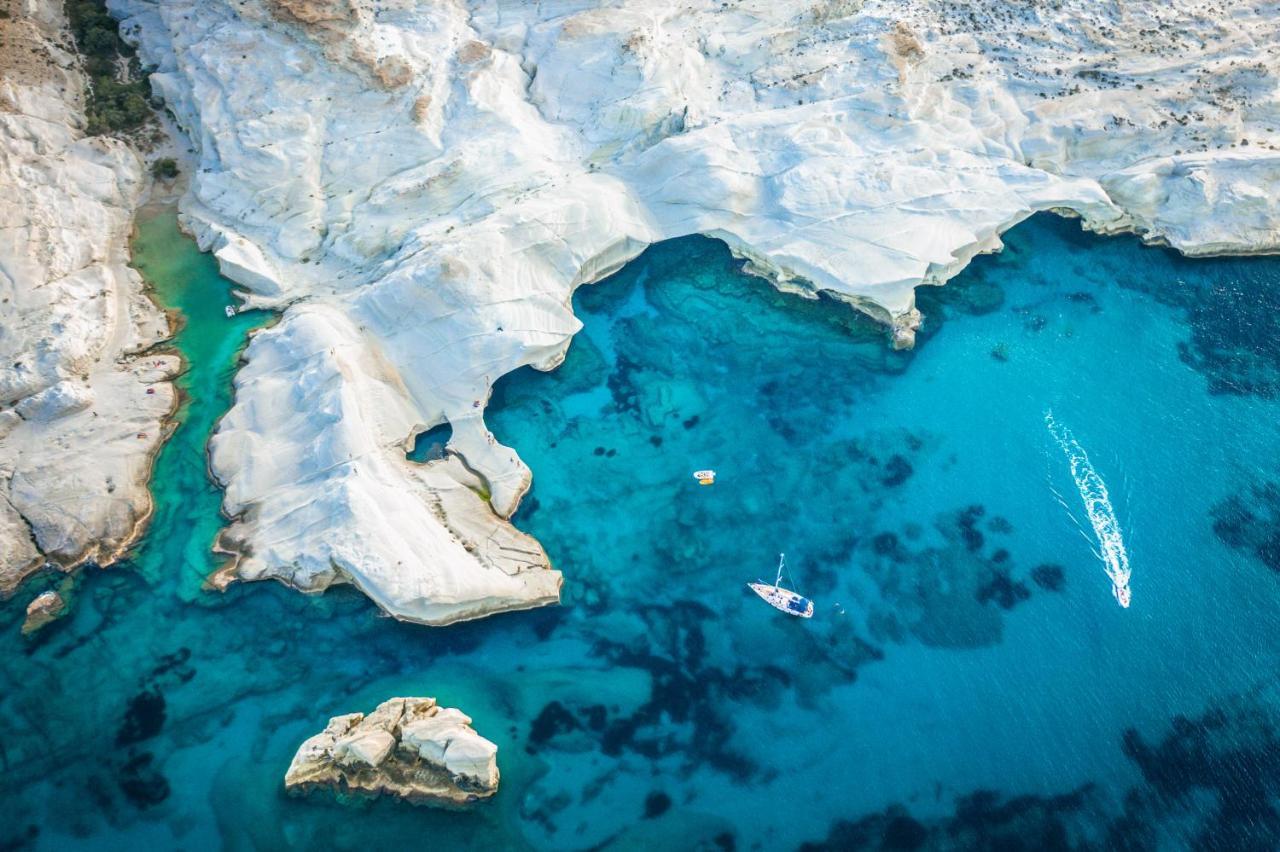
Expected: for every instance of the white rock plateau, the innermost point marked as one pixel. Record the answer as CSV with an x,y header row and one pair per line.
x,y
408,747
81,408
421,186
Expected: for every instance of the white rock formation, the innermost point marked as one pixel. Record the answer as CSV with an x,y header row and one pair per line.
x,y
80,410
408,747
423,185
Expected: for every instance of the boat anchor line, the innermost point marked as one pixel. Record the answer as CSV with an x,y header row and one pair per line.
x,y
1097,505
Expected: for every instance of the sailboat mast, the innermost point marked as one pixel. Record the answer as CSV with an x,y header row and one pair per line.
x,y
782,558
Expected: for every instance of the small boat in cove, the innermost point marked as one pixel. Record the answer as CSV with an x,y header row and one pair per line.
x,y
230,311
792,603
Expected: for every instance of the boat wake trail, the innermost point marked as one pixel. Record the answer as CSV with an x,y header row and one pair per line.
x,y
1097,505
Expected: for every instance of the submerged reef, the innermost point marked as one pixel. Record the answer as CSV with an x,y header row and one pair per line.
x,y
981,820
1250,522
947,594
1211,782
410,748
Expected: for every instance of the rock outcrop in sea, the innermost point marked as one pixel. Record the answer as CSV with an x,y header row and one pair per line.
x,y
44,609
81,405
410,748
420,188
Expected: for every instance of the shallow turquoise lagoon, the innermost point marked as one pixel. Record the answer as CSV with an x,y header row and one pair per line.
x,y
967,679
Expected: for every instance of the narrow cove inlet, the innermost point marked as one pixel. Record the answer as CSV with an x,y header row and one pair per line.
x,y
967,678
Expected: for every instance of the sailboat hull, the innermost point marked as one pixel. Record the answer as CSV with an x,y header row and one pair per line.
x,y
784,600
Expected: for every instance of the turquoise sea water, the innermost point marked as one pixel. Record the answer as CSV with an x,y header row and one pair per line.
x,y
967,680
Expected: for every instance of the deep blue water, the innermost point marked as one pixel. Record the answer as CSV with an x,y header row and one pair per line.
x,y
967,679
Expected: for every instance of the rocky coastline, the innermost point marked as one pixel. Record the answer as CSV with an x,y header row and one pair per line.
x,y
420,189
84,396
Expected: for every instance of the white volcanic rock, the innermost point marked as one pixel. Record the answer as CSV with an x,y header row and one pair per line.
x,y
78,428
360,497
408,747
422,186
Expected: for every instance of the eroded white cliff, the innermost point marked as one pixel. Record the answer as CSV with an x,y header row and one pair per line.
x,y
80,408
421,186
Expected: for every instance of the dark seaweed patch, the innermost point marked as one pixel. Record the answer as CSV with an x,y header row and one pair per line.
x,y
981,820
1003,590
1049,577
1232,752
143,718
897,470
967,522
622,386
142,783
596,716
1234,316
24,839
528,507
885,544
1234,329
941,595
1251,524
544,621
686,691
1087,299
553,720
1000,525
656,804
175,664
973,294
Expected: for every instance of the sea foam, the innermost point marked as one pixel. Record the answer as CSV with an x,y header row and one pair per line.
x,y
1097,505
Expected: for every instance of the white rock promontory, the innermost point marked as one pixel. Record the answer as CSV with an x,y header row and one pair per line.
x,y
421,186
408,747
80,409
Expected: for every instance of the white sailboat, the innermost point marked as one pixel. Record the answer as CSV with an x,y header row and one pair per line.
x,y
792,603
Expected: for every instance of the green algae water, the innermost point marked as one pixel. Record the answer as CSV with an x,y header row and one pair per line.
x,y
967,680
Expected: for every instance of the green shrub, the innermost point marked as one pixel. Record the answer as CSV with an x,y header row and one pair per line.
x,y
112,105
166,168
